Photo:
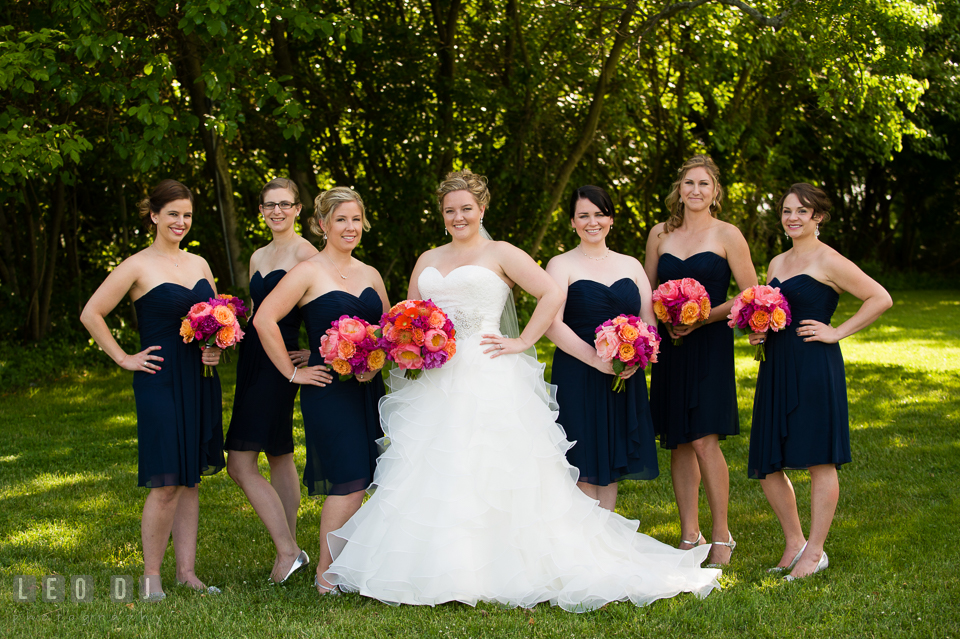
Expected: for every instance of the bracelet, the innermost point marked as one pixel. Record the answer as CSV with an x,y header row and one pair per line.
x,y
294,374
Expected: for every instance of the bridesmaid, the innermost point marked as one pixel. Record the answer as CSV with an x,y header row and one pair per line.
x,y
179,429
800,407
340,419
267,426
613,431
693,395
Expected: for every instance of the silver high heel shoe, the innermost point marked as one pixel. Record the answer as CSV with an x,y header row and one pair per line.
x,y
822,564
793,563
302,560
732,545
323,590
695,542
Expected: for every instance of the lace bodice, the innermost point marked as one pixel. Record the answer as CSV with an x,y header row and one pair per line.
x,y
472,296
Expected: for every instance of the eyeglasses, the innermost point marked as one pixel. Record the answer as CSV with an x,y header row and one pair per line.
x,y
284,206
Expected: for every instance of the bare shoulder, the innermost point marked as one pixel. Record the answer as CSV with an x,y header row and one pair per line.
x,y
305,250
508,250
559,265
835,264
729,232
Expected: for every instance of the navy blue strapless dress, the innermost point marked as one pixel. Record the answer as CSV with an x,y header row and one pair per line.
x,y
800,405
613,431
693,390
341,422
263,403
179,421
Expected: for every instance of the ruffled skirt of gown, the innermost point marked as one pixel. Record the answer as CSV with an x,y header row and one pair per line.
x,y
474,500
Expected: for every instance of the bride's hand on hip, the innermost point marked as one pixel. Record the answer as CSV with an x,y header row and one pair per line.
x,y
497,345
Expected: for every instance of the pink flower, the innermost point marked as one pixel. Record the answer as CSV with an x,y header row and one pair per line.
x,y
692,289
198,310
667,292
352,329
407,356
607,343
767,296
328,345
735,312
435,340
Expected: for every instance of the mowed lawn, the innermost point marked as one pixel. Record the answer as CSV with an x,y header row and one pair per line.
x,y
69,505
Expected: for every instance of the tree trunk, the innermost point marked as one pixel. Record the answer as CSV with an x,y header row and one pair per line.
x,y
216,160
8,265
49,268
446,25
589,125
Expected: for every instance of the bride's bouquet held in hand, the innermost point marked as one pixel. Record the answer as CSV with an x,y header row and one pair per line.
x,y
417,335
758,309
215,322
351,346
681,303
626,341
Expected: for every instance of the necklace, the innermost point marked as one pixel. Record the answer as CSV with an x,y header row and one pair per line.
x,y
595,259
175,261
342,276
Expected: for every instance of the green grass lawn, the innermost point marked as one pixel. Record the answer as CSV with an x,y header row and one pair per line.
x,y
69,505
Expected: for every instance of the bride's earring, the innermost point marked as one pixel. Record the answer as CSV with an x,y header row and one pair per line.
x,y
816,232
481,223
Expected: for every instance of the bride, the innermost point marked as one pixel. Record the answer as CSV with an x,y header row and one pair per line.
x,y
474,500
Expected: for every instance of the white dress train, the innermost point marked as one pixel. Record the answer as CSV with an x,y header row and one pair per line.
x,y
474,500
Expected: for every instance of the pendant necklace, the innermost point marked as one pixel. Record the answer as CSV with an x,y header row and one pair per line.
x,y
342,276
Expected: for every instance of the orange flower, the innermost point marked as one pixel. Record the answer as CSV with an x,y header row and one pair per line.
x,y
340,366
404,337
760,321
747,294
450,348
411,311
628,333
626,352
661,312
376,359
224,315
418,336
346,349
186,331
396,308
437,320
619,319
704,308
689,313
226,336
403,321
778,319
372,331
425,310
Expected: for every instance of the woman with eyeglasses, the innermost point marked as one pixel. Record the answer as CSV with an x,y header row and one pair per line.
x,y
263,404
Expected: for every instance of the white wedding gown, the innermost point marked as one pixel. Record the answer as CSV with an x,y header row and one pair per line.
x,y
474,499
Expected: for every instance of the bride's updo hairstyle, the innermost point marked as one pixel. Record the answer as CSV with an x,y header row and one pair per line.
x,y
464,181
673,201
162,194
811,197
595,195
326,204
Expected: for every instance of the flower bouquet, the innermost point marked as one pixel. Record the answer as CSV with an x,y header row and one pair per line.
x,y
759,309
681,302
351,346
215,322
417,335
626,341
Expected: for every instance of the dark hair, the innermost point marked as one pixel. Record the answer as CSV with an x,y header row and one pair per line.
x,y
673,201
281,183
162,194
810,196
594,194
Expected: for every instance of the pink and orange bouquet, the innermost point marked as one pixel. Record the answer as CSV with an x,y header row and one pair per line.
x,y
418,336
681,302
758,309
626,341
215,322
351,346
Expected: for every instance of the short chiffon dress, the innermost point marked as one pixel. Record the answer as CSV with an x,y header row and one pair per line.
x,y
179,421
341,423
613,431
800,404
693,390
262,418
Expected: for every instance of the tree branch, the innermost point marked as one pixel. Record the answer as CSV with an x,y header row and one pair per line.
x,y
761,19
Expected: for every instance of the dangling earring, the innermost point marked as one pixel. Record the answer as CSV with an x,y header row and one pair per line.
x,y
714,205
786,235
816,233
481,223
324,235
445,231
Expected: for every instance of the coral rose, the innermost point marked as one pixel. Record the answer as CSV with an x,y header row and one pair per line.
x,y
376,359
628,332
705,308
351,329
407,357
437,320
328,344
767,296
186,331
760,321
435,340
778,319
668,292
346,349
748,294
227,336
224,315
418,336
692,289
626,352
607,343
619,319
372,331
198,310
342,367
689,313
451,348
